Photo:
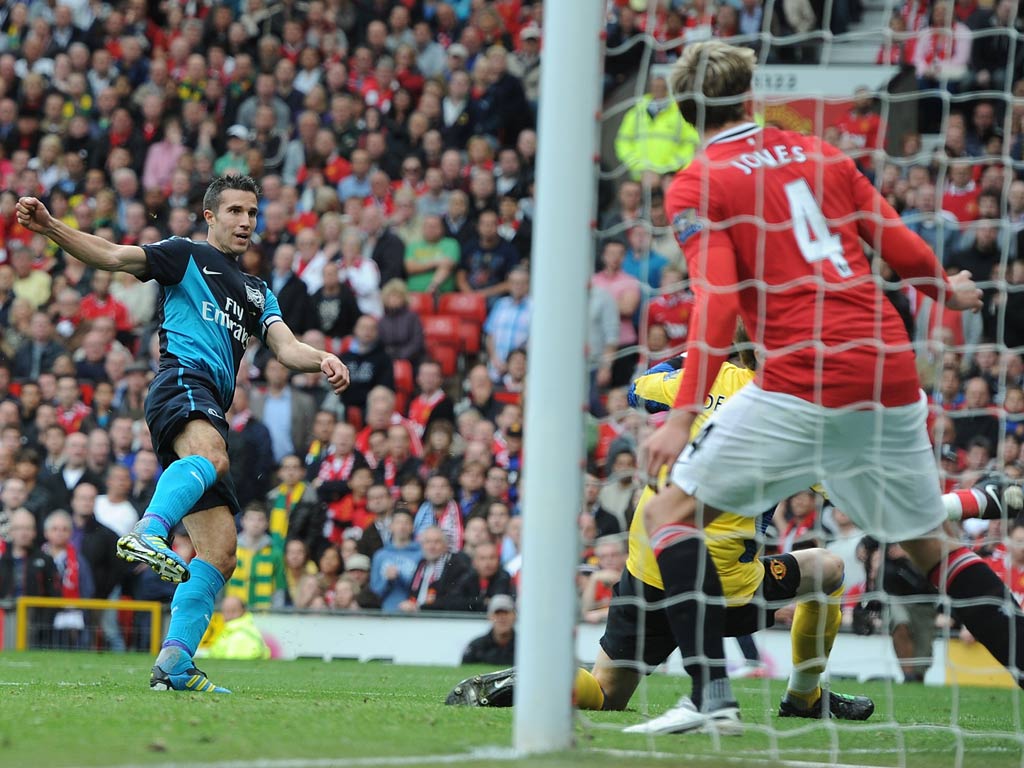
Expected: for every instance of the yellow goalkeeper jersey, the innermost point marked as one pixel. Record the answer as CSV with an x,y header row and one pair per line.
x,y
731,539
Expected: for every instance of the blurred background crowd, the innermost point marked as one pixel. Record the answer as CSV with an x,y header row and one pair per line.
x,y
395,144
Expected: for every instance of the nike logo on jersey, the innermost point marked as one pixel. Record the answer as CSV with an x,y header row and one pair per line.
x,y
207,271
214,414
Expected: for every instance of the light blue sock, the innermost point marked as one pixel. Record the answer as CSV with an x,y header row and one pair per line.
x,y
181,485
192,606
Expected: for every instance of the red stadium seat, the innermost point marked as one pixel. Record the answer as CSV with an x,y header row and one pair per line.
x,y
469,337
447,356
471,306
403,384
422,303
354,417
441,335
440,329
403,376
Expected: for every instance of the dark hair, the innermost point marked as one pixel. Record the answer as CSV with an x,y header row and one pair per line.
x,y
211,200
499,503
29,455
413,480
979,441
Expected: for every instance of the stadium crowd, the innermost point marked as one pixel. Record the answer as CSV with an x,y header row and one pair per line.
x,y
394,141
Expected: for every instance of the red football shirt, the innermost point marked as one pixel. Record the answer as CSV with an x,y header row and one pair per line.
x,y
781,216
92,307
863,131
962,202
673,312
1011,575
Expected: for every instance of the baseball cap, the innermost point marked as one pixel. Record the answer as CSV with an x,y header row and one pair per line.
x,y
357,563
458,49
501,603
238,131
530,33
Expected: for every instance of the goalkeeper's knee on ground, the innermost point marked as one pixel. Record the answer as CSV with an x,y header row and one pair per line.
x,y
586,691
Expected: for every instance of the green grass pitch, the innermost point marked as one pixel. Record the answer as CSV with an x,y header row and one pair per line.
x,y
61,710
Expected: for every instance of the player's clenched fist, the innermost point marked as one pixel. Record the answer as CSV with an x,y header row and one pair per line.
x,y
965,296
336,373
32,214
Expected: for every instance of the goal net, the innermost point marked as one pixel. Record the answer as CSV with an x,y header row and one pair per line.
x,y
926,100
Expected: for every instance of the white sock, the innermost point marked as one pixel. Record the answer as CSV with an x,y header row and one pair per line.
x,y
803,682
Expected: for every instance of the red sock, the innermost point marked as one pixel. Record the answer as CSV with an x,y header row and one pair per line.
x,y
946,571
970,504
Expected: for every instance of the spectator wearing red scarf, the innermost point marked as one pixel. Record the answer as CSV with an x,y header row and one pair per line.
x,y
342,459
346,504
943,49
399,462
75,573
440,509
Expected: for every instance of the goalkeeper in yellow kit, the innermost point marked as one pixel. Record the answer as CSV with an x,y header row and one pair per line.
x,y
754,586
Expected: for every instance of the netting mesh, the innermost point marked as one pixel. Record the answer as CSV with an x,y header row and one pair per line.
x,y
927,99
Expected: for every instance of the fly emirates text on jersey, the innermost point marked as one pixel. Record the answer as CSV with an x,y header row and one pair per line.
x,y
224,318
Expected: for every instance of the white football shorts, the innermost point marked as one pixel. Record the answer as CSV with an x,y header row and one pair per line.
x,y
875,463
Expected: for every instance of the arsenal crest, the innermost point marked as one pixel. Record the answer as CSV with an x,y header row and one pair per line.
x,y
255,296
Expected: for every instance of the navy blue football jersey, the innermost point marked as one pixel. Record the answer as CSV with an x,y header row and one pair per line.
x,y
209,309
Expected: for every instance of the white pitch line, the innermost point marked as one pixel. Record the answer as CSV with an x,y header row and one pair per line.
x,y
496,755
733,759
342,762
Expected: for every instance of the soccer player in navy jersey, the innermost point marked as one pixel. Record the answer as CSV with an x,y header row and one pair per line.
x,y
209,310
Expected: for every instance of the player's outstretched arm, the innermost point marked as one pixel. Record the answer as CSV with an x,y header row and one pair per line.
x,y
299,356
963,295
94,251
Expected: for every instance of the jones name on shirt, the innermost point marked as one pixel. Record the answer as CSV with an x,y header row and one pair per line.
x,y
769,157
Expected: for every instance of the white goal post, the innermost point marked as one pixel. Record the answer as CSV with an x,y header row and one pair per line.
x,y
563,254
